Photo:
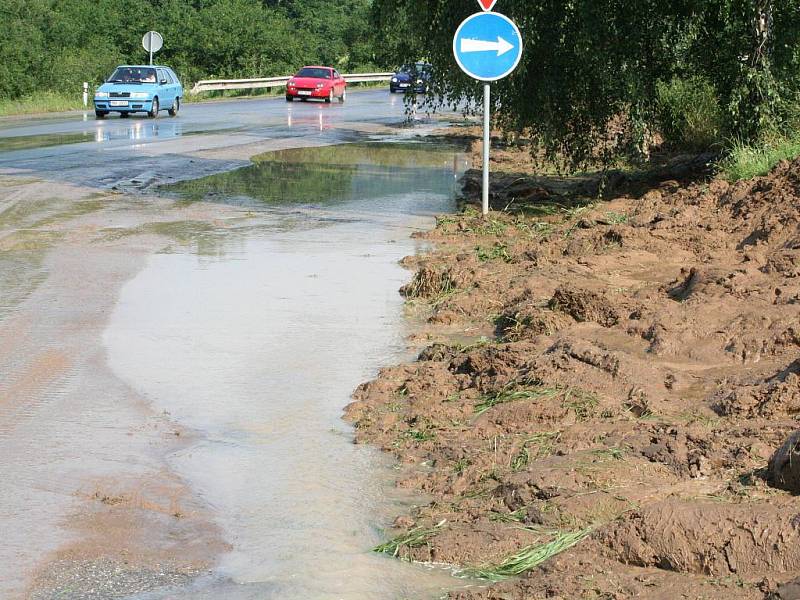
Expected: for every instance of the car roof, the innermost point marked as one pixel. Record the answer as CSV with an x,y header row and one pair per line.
x,y
317,67
145,66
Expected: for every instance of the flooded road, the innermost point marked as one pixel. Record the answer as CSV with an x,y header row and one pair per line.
x,y
189,412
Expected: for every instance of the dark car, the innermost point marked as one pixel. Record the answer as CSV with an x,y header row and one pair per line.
x,y
416,77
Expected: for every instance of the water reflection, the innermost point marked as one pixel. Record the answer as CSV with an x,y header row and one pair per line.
x,y
332,175
105,131
137,130
320,119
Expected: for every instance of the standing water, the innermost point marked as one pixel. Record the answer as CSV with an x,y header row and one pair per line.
x,y
255,340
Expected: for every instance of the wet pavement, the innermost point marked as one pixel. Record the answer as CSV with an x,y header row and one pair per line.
x,y
173,366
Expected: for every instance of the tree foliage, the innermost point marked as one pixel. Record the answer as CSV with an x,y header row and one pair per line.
x,y
58,44
592,68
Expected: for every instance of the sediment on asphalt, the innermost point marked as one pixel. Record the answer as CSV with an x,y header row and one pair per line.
x,y
600,387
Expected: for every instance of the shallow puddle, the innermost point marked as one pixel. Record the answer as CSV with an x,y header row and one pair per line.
x,y
8,144
257,347
372,175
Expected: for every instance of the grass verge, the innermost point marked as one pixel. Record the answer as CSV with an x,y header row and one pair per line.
x,y
745,161
40,102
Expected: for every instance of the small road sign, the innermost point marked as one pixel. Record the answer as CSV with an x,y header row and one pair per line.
x,y
487,4
487,46
152,42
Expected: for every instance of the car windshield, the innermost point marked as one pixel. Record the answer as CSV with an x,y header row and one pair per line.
x,y
418,68
316,73
133,75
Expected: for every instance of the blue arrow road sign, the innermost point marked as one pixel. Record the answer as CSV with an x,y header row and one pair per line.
x,y
487,46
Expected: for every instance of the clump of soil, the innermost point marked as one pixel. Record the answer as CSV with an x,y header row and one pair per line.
x,y
626,367
784,466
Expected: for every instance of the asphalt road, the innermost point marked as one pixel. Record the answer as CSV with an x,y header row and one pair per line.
x,y
126,154
172,373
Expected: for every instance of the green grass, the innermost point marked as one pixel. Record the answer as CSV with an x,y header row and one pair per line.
x,y
616,218
745,161
41,102
528,558
414,538
497,252
491,400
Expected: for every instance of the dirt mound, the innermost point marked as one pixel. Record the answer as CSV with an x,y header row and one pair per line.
x,y
709,539
778,395
644,367
584,305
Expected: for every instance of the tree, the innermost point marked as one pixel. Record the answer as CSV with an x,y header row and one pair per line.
x,y
591,68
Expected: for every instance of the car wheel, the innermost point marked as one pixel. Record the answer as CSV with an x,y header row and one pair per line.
x,y
124,115
153,114
289,98
329,99
100,114
176,106
343,97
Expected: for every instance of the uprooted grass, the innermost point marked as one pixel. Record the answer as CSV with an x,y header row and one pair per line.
x,y
528,558
414,538
429,283
510,395
538,445
582,403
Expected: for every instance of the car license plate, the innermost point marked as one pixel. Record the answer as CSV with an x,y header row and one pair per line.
x,y
405,85
119,103
304,93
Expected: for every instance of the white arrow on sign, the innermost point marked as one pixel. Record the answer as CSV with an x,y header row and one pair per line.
x,y
501,46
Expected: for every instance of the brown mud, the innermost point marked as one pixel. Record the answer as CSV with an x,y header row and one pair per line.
x,y
624,367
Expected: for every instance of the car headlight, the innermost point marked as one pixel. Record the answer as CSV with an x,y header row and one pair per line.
x,y
140,95
320,85
394,79
101,94
419,81
292,84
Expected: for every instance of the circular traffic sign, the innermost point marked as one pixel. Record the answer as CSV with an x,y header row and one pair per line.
x,y
487,46
152,41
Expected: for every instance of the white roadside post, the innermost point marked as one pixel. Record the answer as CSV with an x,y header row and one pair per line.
x,y
487,47
85,94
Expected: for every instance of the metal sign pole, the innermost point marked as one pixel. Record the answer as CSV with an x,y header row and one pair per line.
x,y
487,140
150,44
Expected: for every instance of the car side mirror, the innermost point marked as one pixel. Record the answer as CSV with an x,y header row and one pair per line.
x,y
163,82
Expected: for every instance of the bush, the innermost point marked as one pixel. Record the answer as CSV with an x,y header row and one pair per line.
x,y
689,113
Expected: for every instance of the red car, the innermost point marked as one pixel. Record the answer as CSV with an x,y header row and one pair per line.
x,y
317,82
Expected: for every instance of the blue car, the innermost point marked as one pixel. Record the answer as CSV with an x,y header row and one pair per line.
x,y
139,88
415,77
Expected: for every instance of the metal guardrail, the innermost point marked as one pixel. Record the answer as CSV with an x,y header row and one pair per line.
x,y
210,85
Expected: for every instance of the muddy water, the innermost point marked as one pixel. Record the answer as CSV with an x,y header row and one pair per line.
x,y
256,342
